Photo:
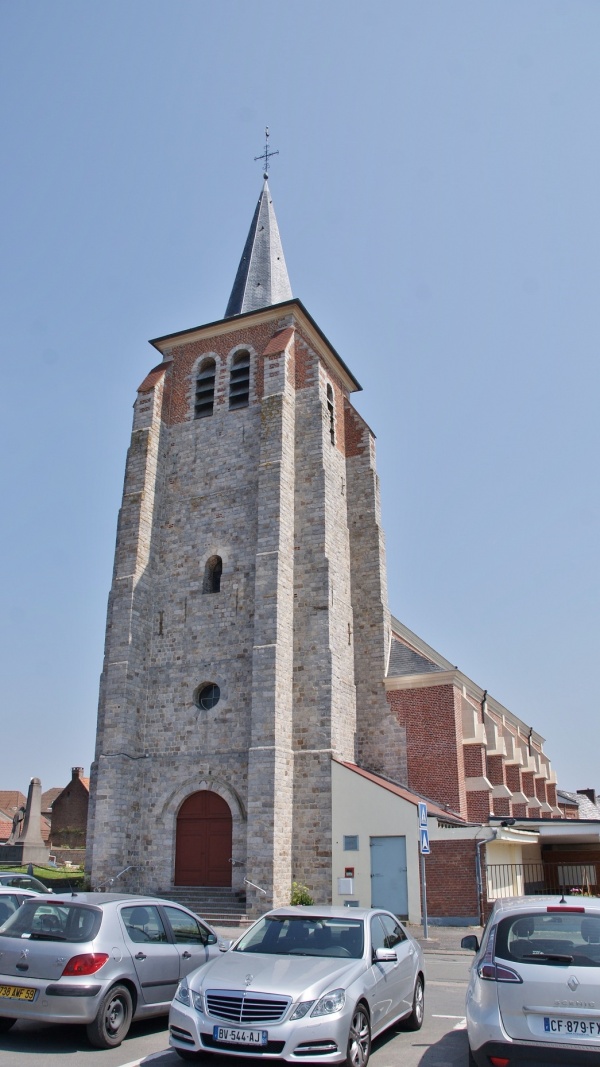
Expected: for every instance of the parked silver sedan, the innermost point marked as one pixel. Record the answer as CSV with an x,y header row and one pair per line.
x,y
534,993
101,959
303,983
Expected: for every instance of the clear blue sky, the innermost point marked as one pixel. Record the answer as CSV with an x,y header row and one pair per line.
x,y
437,196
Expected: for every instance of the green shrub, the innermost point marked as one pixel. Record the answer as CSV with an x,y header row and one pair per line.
x,y
300,894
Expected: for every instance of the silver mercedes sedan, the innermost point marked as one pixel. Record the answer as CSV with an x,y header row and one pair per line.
x,y
98,959
304,983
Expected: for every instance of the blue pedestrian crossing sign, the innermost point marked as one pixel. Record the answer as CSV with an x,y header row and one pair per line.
x,y
422,814
424,840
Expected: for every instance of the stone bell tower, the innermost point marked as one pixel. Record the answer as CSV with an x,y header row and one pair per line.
x,y
248,626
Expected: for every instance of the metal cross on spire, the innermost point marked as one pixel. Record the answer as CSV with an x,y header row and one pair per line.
x,y
266,155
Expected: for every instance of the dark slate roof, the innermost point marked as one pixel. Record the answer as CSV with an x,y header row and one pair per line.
x,y
404,660
262,277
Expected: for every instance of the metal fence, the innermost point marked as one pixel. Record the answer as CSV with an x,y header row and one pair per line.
x,y
517,879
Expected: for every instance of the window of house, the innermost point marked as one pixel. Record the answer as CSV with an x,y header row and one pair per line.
x,y
350,843
212,575
239,381
205,390
331,413
208,696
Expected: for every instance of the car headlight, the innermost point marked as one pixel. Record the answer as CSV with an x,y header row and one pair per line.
x,y
301,1010
198,1001
182,993
331,1002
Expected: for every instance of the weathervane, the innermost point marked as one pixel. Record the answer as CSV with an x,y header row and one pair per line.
x,y
266,155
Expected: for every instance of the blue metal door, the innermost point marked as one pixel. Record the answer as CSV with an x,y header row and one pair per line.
x,y
389,887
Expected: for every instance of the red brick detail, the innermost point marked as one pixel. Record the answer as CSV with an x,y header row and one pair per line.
x,y
479,803
152,378
540,789
279,342
358,436
501,805
513,777
452,880
474,757
496,770
520,811
528,786
551,793
432,720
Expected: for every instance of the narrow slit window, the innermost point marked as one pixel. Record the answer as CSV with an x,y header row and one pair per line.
x,y
239,382
205,390
212,575
331,413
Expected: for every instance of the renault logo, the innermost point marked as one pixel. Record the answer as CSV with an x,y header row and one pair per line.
x,y
573,983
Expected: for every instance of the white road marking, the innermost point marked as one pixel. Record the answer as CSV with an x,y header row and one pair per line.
x,y
147,1059
438,1017
462,1025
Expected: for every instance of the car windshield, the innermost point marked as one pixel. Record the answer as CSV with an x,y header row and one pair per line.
x,y
23,881
285,935
39,920
550,938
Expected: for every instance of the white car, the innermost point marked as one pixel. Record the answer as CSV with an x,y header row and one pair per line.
x,y
303,984
534,992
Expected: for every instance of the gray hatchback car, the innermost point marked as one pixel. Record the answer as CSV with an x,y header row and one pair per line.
x,y
98,959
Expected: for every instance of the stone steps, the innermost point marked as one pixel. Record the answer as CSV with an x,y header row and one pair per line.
x,y
220,906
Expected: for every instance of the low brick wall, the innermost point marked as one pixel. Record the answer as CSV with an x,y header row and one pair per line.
x,y
452,883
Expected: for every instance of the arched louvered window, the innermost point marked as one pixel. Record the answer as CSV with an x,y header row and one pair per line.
x,y
212,575
205,390
239,381
331,413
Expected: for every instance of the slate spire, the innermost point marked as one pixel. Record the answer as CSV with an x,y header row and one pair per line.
x,y
262,277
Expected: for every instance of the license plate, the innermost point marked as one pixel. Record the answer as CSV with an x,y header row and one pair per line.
x,y
564,1027
17,992
234,1036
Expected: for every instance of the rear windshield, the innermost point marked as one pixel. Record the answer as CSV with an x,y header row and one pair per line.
x,y
38,920
548,938
294,936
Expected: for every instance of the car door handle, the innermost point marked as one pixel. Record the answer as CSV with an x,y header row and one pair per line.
x,y
140,956
186,955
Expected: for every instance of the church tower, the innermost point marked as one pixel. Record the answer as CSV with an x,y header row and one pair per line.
x,y
248,628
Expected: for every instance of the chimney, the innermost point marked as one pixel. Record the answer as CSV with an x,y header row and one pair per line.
x,y
589,793
76,772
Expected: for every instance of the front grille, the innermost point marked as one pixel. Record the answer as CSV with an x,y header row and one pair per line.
x,y
238,1007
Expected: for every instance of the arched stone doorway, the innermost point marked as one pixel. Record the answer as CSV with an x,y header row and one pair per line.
x,y
203,841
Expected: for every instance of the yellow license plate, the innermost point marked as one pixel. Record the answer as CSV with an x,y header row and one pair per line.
x,y
17,992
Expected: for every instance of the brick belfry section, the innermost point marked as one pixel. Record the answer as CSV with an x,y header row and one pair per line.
x,y
284,492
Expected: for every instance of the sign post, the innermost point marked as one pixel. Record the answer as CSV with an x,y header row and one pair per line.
x,y
424,850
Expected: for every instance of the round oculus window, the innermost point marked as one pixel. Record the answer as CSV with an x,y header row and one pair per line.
x,y
207,696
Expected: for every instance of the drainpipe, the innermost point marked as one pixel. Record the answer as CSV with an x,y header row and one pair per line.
x,y
478,872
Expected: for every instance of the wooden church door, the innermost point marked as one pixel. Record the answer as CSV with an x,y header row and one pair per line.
x,y
203,841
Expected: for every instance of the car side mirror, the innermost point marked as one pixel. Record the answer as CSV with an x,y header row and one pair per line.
x,y
211,939
471,942
385,955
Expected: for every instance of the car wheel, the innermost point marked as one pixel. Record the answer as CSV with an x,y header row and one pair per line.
x,y
359,1039
113,1020
5,1024
415,1019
